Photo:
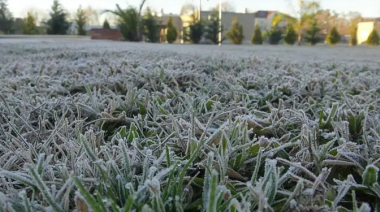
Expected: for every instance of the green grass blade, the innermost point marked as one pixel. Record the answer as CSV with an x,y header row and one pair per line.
x,y
44,190
90,200
212,193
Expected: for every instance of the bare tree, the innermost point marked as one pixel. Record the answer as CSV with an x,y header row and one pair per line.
x,y
92,16
304,12
41,15
188,9
139,34
327,19
226,7
354,17
38,14
342,23
111,18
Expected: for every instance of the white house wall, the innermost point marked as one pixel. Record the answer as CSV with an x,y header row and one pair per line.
x,y
364,30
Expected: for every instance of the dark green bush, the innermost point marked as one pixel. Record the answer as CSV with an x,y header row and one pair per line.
x,y
333,37
236,32
373,39
290,35
171,34
257,37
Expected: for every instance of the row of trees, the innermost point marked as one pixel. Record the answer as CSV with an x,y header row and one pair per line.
x,y
135,28
289,35
275,35
305,27
57,24
199,28
149,27
132,26
6,18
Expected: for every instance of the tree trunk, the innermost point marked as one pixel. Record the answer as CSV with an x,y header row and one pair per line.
x,y
139,20
299,38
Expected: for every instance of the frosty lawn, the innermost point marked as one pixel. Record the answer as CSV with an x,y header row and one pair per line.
x,y
111,126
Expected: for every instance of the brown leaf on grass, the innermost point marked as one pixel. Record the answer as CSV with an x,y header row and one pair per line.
x,y
253,124
81,205
199,128
215,138
106,115
230,173
285,138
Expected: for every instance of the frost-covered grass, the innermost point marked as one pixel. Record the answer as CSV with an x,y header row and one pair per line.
x,y
109,126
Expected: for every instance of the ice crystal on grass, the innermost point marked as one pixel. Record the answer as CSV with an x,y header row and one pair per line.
x,y
109,126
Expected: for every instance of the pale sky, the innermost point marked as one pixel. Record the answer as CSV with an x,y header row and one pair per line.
x,y
368,8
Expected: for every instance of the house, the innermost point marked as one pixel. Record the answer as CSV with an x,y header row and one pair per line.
x,y
244,18
365,28
264,19
249,20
